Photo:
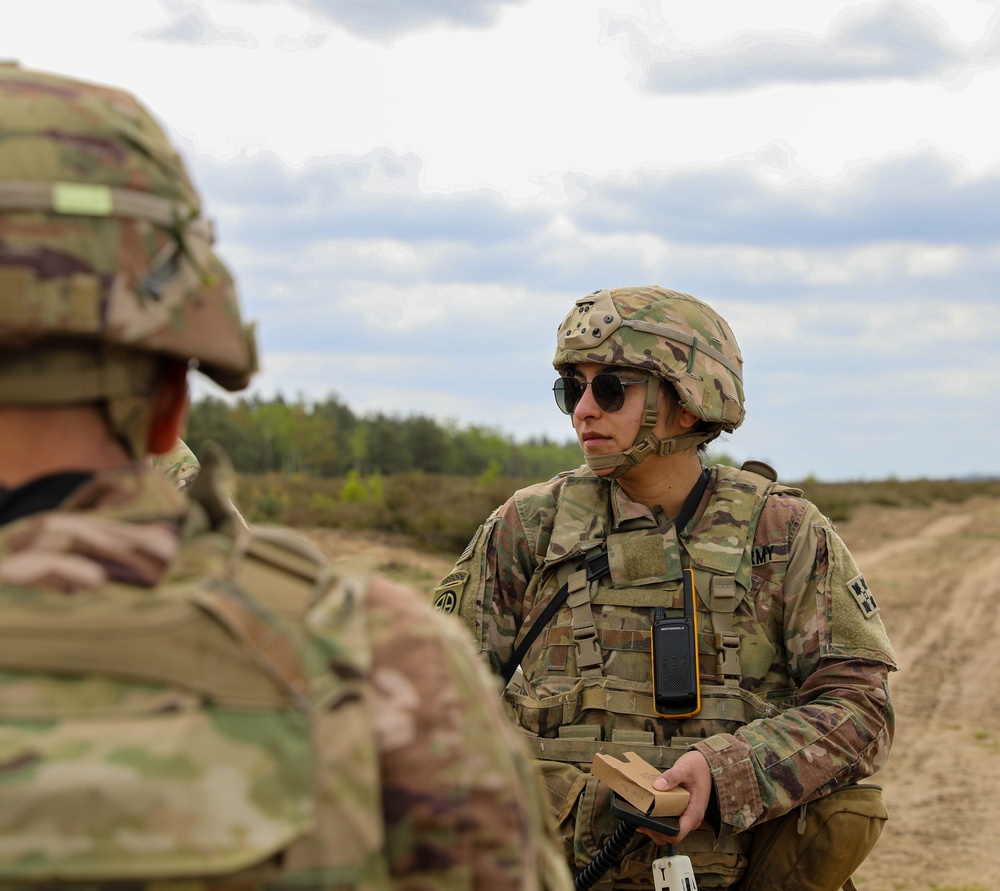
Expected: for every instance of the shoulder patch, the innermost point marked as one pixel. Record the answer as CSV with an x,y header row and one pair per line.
x,y
863,595
446,594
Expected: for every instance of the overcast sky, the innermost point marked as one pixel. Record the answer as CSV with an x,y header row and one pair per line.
x,y
412,194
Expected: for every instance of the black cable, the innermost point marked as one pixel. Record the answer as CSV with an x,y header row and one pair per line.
x,y
609,855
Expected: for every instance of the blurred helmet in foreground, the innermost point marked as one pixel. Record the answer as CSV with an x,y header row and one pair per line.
x,y
106,262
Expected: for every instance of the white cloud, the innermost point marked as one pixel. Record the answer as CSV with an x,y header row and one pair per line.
x,y
387,19
189,23
866,42
412,201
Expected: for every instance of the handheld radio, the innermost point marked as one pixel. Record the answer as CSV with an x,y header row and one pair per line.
x,y
676,676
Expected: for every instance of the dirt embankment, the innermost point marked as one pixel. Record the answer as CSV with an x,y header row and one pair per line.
x,y
936,575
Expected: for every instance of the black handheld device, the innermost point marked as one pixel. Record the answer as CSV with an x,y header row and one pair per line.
x,y
631,814
676,678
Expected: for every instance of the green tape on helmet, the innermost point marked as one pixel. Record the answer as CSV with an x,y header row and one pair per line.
x,y
82,199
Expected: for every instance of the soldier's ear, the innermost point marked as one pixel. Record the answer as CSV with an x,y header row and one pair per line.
x,y
169,405
685,418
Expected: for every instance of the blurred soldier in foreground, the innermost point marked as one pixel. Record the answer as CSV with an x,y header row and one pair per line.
x,y
186,703
707,619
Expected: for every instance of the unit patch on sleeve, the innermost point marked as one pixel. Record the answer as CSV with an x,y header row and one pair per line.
x,y
446,594
863,595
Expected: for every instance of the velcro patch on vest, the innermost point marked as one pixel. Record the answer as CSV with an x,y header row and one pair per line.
x,y
447,594
643,557
863,595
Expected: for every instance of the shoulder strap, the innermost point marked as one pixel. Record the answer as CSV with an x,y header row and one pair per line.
x,y
281,569
720,591
692,501
595,564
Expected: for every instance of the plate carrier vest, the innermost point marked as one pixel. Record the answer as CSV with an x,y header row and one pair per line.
x,y
586,685
219,659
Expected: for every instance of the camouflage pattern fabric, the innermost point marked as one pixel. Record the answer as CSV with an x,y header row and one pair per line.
x,y
179,465
810,710
671,334
181,707
107,265
102,238
679,341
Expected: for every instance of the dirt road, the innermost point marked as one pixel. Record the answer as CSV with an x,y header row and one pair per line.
x,y
936,575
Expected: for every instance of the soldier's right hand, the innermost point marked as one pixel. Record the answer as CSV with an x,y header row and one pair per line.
x,y
690,772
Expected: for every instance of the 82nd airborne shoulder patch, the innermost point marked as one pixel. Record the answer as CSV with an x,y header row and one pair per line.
x,y
863,595
447,593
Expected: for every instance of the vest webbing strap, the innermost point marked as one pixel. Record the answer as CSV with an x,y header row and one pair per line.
x,y
722,601
566,709
589,663
209,642
737,706
595,564
727,641
582,751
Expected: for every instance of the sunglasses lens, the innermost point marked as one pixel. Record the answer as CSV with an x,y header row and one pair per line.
x,y
568,391
609,393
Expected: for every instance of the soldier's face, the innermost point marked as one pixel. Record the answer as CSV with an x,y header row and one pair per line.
x,y
603,432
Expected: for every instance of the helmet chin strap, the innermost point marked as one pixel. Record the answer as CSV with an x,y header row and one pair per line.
x,y
646,442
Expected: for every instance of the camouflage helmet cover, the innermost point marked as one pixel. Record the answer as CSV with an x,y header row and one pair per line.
x,y
101,234
673,335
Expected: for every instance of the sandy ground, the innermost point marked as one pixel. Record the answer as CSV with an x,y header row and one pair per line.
x,y
936,575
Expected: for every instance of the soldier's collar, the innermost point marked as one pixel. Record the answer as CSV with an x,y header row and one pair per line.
x,y
628,514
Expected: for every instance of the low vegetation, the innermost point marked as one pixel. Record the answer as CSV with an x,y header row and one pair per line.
x,y
320,464
438,512
839,500
441,512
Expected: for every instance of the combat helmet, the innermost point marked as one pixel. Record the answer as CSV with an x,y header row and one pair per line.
x,y
675,338
106,261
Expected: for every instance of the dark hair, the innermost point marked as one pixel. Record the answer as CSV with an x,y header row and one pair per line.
x,y
701,426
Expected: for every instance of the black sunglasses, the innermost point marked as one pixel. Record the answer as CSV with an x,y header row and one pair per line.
x,y
608,390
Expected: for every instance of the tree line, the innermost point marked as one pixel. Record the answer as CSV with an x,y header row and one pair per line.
x,y
327,439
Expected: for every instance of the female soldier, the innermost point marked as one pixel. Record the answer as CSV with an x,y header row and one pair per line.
x,y
773,691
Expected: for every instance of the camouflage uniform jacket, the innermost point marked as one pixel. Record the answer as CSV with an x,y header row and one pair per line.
x,y
184,704
805,711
